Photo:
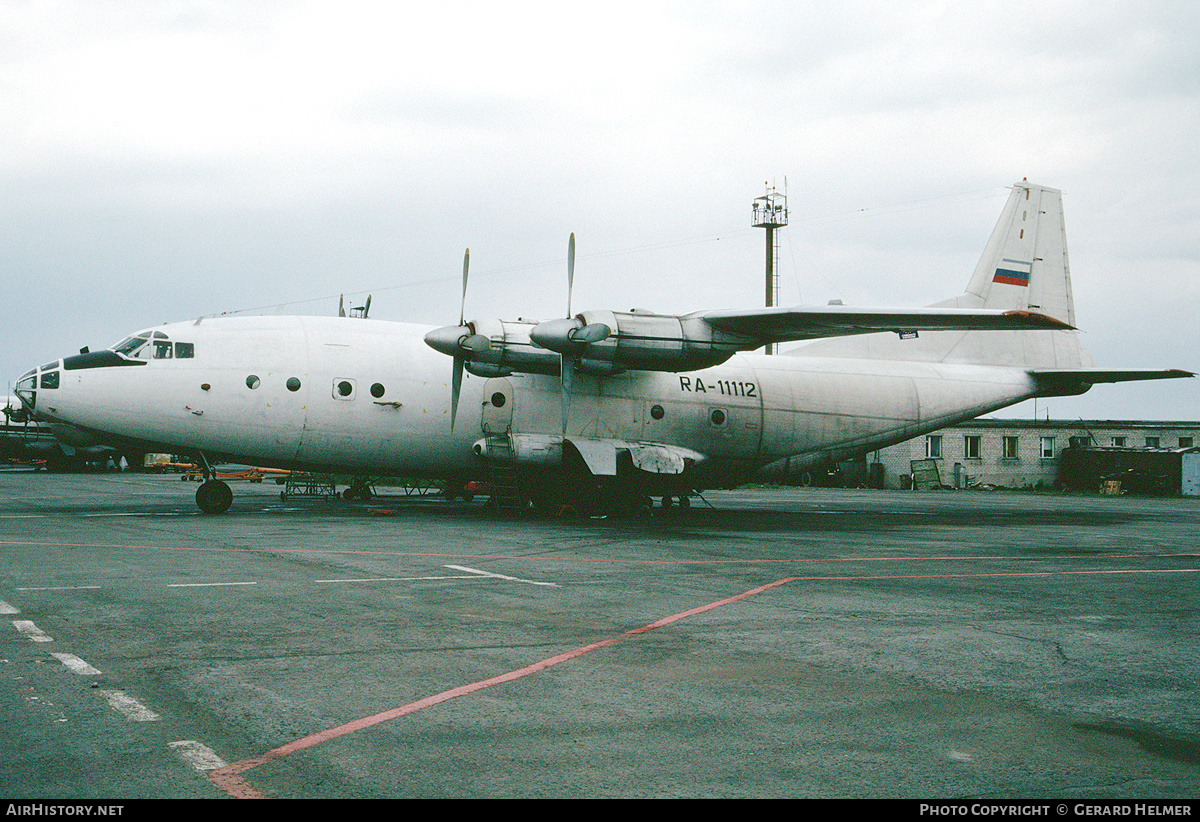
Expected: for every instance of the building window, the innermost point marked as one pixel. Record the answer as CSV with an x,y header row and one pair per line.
x,y
1151,442
933,447
1047,448
1118,442
1010,448
971,446
1185,442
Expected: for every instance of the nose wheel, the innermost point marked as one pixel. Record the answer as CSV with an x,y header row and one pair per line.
x,y
214,497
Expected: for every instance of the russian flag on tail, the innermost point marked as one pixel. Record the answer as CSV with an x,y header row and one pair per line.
x,y
1016,272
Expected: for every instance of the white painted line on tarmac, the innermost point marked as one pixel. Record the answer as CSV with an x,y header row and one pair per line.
x,y
206,584
399,579
470,573
32,631
65,588
498,576
5,608
133,710
76,664
198,755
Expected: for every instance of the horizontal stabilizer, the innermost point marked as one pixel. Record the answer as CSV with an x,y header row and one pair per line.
x,y
1067,378
790,324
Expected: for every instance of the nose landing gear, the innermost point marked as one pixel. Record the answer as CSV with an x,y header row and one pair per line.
x,y
214,497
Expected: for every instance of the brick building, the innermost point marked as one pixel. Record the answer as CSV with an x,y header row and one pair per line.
x,y
1020,453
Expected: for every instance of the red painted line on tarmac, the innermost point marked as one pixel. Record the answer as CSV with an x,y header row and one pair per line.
x,y
229,778
546,558
1013,574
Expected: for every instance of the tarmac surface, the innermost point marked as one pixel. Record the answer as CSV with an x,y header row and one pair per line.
x,y
781,643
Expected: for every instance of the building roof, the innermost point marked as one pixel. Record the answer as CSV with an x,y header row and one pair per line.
x,y
1079,425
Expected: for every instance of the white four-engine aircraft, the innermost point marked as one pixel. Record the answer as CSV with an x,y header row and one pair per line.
x,y
601,408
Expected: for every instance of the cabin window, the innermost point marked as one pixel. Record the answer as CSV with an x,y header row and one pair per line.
x,y
49,379
717,417
184,351
657,412
1185,442
253,382
1151,442
1118,442
343,389
293,384
377,390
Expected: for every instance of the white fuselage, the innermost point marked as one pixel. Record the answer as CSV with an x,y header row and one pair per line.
x,y
371,397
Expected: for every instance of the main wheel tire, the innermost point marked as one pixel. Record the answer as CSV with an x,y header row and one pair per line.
x,y
214,497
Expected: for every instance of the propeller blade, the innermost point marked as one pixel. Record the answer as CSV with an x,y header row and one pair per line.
x,y
465,344
341,305
463,303
456,388
570,271
567,376
367,307
567,364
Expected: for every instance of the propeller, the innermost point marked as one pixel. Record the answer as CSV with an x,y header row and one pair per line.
x,y
568,359
341,305
466,342
460,361
567,362
458,341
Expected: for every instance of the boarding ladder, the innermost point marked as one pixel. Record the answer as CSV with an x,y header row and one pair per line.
x,y
502,467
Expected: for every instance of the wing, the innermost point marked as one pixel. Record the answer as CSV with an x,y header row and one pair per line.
x,y
789,324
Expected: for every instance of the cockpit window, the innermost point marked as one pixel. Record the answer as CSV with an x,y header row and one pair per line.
x,y
162,350
184,351
49,379
27,389
130,346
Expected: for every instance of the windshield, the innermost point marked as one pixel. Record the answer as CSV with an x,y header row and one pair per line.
x,y
130,346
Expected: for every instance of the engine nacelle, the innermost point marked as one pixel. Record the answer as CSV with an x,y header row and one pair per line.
x,y
639,340
508,348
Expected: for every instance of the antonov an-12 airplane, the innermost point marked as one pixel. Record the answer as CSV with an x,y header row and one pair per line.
x,y
600,408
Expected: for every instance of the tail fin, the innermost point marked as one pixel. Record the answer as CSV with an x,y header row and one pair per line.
x,y
1023,268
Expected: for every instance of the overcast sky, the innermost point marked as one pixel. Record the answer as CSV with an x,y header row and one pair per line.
x,y
165,160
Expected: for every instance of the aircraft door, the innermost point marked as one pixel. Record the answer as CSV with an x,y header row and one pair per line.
x,y
497,406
